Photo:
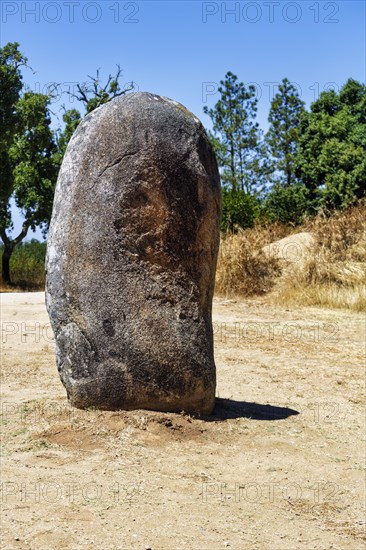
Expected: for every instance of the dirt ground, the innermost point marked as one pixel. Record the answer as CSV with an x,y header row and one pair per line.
x,y
280,464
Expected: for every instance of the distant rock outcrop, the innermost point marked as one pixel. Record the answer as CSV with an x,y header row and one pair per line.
x,y
294,249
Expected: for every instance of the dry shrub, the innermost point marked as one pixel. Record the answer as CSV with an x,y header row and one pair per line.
x,y
343,235
243,268
333,273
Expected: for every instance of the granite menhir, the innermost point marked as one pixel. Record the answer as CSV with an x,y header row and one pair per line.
x,y
131,259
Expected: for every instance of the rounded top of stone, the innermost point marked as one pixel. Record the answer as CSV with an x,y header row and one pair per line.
x,y
140,101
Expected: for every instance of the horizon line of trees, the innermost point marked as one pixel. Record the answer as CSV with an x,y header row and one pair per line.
x,y
308,161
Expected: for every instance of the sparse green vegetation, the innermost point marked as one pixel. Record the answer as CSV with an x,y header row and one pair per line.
x,y
27,266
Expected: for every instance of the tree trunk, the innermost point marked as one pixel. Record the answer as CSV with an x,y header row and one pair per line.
x,y
9,246
289,176
232,165
8,250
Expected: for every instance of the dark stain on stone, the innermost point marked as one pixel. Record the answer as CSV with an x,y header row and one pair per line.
x,y
108,328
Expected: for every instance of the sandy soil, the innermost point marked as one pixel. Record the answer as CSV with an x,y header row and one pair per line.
x,y
280,465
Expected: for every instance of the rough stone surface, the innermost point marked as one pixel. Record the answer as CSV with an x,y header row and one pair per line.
x,y
131,259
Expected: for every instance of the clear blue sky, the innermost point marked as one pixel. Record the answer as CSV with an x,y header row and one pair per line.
x,y
183,49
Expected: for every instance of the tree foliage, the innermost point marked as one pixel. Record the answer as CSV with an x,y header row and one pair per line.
x,y
331,161
28,172
239,147
11,60
71,118
239,209
309,161
283,134
287,204
236,136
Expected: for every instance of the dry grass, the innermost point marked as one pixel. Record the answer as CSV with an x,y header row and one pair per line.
x,y
243,268
333,273
6,288
324,295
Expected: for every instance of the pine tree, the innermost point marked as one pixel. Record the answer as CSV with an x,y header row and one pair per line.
x,y
239,148
236,135
283,134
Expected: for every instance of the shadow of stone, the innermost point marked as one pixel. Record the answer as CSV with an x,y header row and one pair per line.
x,y
226,409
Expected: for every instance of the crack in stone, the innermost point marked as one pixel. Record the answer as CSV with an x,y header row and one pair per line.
x,y
117,161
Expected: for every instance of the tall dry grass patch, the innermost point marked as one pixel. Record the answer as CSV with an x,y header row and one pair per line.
x,y
331,273
334,274
243,267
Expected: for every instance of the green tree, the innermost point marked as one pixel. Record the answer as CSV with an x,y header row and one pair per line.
x,y
283,134
331,160
236,135
287,204
239,209
71,119
28,172
238,144
11,60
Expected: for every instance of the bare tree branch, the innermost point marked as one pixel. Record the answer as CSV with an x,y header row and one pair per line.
x,y
101,94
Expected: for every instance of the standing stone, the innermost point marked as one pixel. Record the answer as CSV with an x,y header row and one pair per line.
x,y
131,259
